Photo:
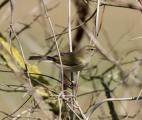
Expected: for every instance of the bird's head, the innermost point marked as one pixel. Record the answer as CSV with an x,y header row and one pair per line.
x,y
87,51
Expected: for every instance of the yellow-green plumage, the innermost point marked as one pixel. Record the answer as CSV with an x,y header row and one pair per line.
x,y
72,61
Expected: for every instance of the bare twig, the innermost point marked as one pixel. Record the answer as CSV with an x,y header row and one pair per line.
x,y
55,40
111,99
2,4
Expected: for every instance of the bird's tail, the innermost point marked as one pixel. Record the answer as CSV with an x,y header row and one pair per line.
x,y
39,57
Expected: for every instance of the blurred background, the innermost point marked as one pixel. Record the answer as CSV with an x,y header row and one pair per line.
x,y
120,30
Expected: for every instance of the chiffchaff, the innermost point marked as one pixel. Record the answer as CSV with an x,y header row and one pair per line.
x,y
72,61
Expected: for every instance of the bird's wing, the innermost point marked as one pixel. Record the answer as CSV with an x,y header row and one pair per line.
x,y
68,59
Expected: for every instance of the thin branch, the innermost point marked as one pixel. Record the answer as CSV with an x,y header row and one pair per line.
x,y
26,26
76,27
69,25
94,107
17,109
121,3
110,103
55,40
97,17
2,4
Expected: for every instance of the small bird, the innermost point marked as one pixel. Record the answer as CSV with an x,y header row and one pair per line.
x,y
72,61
